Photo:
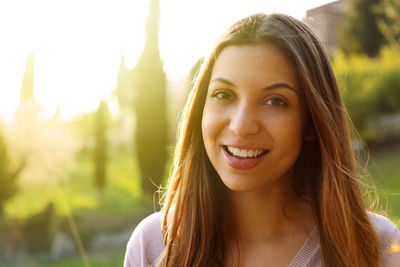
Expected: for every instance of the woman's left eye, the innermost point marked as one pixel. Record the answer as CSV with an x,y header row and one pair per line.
x,y
277,101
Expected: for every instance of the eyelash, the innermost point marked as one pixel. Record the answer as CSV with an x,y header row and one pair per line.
x,y
222,95
281,101
226,95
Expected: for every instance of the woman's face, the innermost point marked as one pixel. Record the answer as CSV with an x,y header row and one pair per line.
x,y
253,119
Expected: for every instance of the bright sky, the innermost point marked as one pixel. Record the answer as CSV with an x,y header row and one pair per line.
x,y
78,43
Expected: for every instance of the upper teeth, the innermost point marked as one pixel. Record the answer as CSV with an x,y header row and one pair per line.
x,y
245,153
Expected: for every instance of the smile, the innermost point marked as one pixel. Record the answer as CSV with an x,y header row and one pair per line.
x,y
239,158
245,153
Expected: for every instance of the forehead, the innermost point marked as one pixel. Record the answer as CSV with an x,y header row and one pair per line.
x,y
261,62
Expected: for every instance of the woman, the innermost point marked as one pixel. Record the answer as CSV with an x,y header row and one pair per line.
x,y
264,172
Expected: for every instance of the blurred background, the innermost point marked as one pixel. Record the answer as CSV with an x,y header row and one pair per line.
x,y
90,95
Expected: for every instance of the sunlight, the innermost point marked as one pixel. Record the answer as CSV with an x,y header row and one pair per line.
x,y
189,29
395,248
12,66
78,44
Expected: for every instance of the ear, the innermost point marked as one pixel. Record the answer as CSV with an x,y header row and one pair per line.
x,y
310,133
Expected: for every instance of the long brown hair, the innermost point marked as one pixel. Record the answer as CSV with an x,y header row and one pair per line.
x,y
325,172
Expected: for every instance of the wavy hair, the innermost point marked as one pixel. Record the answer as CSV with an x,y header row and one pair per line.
x,y
326,171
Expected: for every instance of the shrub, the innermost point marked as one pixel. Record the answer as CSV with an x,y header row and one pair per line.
x,y
8,176
370,87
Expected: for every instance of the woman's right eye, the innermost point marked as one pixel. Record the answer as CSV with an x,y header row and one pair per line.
x,y
222,95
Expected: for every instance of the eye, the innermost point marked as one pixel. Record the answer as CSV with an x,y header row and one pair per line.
x,y
222,95
277,101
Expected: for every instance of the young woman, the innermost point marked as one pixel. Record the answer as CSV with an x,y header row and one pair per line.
x,y
264,172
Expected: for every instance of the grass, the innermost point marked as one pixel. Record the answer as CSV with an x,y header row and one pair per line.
x,y
385,168
113,258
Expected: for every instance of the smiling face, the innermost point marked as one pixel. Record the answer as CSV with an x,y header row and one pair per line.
x,y
253,119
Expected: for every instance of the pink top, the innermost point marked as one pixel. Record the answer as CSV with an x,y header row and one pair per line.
x,y
146,243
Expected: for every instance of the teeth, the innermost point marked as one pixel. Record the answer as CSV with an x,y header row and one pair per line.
x,y
245,153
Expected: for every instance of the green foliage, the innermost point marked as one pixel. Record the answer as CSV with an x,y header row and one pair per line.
x,y
150,107
370,87
388,20
388,92
75,194
360,33
8,176
355,76
100,150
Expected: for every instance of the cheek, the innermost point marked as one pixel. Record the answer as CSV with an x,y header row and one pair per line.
x,y
212,124
287,130
207,125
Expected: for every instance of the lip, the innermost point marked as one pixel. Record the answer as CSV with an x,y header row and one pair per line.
x,y
242,164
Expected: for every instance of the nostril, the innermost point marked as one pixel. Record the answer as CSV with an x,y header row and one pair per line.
x,y
244,120
244,127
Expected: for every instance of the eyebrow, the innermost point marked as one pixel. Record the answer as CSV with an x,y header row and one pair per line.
x,y
269,87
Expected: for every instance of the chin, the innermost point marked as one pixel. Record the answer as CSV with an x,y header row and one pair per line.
x,y
240,186
254,184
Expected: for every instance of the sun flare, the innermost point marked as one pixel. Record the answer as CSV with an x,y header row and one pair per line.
x,y
78,44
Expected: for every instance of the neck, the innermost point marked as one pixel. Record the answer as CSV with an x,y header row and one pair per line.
x,y
267,214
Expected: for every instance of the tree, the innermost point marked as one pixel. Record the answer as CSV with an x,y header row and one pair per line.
x,y
150,107
27,82
100,150
8,176
123,89
388,20
361,33
39,230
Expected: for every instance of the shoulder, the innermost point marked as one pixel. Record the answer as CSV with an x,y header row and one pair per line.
x,y
146,242
389,238
384,228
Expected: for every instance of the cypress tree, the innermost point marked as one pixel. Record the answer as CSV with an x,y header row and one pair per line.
x,y
101,145
27,81
150,107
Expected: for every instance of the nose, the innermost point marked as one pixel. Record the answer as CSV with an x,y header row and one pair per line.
x,y
244,121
